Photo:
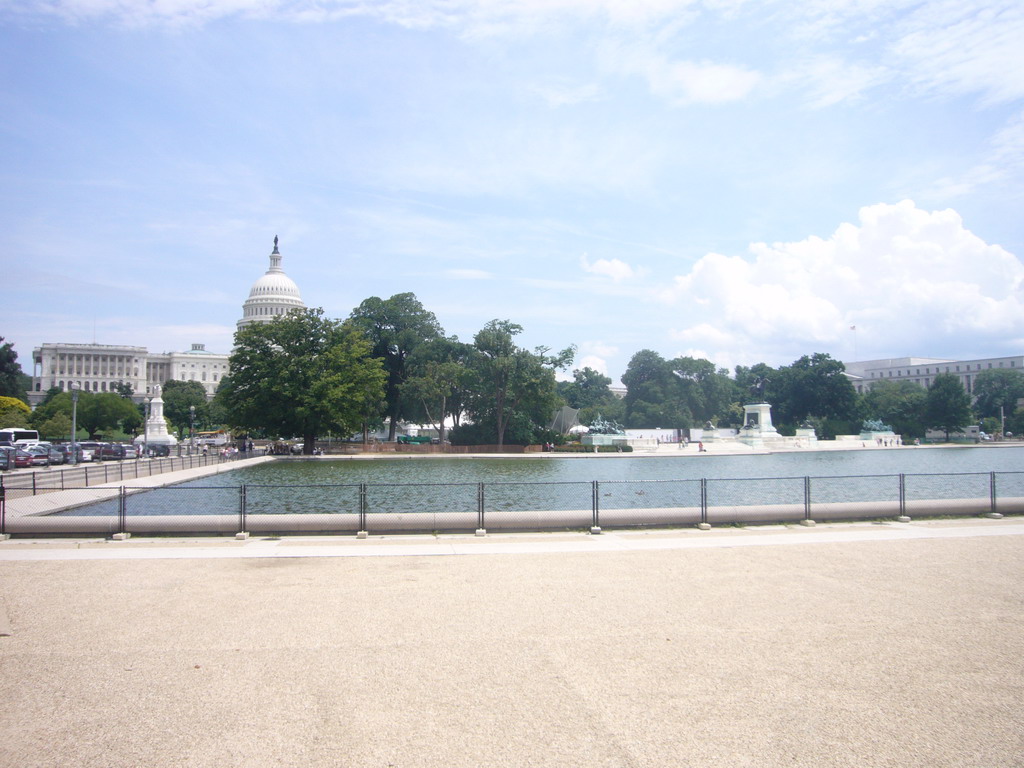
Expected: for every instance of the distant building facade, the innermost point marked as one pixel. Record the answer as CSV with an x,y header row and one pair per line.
x,y
923,370
102,367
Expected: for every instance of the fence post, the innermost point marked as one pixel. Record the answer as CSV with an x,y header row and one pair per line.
x,y
33,483
704,525
993,512
481,528
595,526
903,518
242,533
3,511
122,522
807,503
361,533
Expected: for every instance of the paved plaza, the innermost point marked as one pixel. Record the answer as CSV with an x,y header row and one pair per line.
x,y
841,645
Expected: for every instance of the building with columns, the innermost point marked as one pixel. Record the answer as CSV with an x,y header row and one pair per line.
x,y
101,367
273,295
923,370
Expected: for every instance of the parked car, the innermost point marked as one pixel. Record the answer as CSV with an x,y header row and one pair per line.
x,y
65,452
111,451
56,456
6,459
22,458
40,455
92,449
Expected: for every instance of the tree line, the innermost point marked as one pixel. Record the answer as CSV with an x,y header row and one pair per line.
x,y
306,375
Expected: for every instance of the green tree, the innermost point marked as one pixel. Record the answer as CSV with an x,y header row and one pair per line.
x,y
57,427
650,400
706,391
901,404
13,412
12,379
302,374
179,397
514,386
998,388
439,379
813,386
122,389
948,406
396,327
100,412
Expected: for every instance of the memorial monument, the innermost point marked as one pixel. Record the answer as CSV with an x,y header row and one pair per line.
x,y
156,434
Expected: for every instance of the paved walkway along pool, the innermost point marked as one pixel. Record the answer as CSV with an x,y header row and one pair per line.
x,y
856,644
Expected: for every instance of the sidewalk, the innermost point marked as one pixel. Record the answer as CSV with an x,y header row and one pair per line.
x,y
858,644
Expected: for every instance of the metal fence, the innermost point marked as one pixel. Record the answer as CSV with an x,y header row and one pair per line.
x,y
102,472
502,506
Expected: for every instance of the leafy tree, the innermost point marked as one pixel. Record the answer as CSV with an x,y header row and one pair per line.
x,y
588,389
439,380
514,385
57,427
706,391
122,389
650,400
948,406
675,393
590,392
13,412
302,374
814,385
12,383
179,397
901,404
100,412
995,388
396,327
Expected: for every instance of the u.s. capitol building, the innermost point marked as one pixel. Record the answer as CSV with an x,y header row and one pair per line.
x,y
101,367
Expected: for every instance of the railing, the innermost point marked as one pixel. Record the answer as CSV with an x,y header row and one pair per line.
x,y
103,472
479,507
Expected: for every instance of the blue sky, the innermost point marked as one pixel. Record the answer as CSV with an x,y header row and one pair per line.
x,y
731,179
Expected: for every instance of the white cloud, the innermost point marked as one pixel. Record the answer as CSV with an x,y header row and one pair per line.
x,y
616,269
912,281
598,364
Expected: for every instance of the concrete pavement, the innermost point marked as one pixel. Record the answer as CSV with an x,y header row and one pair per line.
x,y
843,645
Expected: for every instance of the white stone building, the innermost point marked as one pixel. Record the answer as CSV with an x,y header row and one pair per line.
x,y
271,296
923,370
101,367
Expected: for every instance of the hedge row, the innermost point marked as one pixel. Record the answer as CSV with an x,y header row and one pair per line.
x,y
578,448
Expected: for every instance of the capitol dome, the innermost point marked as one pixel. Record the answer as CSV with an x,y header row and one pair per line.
x,y
273,295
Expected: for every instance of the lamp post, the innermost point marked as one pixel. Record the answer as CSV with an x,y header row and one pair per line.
x,y
192,428
74,421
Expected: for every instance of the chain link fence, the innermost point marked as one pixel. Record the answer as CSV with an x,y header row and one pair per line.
x,y
363,508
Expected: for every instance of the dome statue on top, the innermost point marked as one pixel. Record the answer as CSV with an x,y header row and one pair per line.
x,y
273,295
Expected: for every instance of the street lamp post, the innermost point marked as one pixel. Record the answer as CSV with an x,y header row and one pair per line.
x,y
74,422
192,428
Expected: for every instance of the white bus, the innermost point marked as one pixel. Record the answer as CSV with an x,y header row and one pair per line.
x,y
17,436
